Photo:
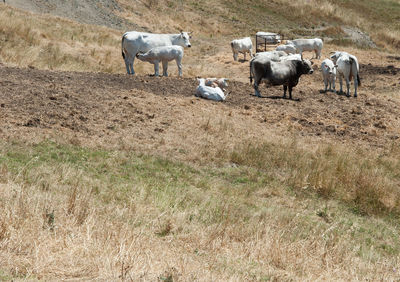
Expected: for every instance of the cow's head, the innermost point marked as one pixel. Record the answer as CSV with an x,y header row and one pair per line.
x,y
306,66
335,55
185,36
329,69
223,82
139,55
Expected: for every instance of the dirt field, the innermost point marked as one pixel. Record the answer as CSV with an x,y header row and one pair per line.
x,y
162,115
87,11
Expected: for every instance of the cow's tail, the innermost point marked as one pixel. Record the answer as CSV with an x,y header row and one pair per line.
x,y
352,61
122,47
251,73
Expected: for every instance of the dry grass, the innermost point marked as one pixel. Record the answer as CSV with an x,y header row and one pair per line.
x,y
280,209
53,43
69,212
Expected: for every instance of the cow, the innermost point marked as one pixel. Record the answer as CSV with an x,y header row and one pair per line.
x,y
272,55
243,45
347,67
287,48
291,57
286,73
302,45
134,42
217,82
208,92
329,74
163,54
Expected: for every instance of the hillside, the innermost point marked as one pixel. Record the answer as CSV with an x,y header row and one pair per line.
x,y
105,176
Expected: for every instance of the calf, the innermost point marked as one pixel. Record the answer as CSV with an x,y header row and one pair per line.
x,y
286,73
163,54
307,45
214,82
329,74
208,92
243,45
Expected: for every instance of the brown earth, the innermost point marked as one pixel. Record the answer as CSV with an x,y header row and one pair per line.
x,y
162,115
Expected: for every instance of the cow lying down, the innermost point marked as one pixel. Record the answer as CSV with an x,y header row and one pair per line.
x,y
208,92
163,54
217,82
286,73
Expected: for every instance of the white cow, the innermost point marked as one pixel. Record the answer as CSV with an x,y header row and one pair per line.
x,y
302,45
347,67
163,54
243,46
134,42
291,57
329,74
272,55
215,82
287,48
208,92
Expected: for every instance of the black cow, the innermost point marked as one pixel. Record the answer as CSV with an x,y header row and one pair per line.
x,y
286,73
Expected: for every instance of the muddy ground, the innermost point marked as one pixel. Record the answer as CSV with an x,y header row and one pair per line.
x,y
161,114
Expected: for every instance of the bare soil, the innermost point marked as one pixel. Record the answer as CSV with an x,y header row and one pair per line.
x,y
162,114
97,12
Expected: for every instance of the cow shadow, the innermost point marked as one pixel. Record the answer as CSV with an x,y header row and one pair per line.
x,y
321,91
274,97
344,94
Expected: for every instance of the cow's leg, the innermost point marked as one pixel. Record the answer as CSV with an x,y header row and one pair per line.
x,y
341,84
129,64
156,68
251,54
179,64
284,91
355,85
333,85
290,92
235,56
256,83
348,86
325,83
244,54
165,68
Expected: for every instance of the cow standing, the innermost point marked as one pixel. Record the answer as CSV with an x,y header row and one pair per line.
x,y
329,74
243,46
134,42
286,73
302,45
347,68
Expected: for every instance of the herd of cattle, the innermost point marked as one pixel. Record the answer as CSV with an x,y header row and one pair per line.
x,y
283,66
